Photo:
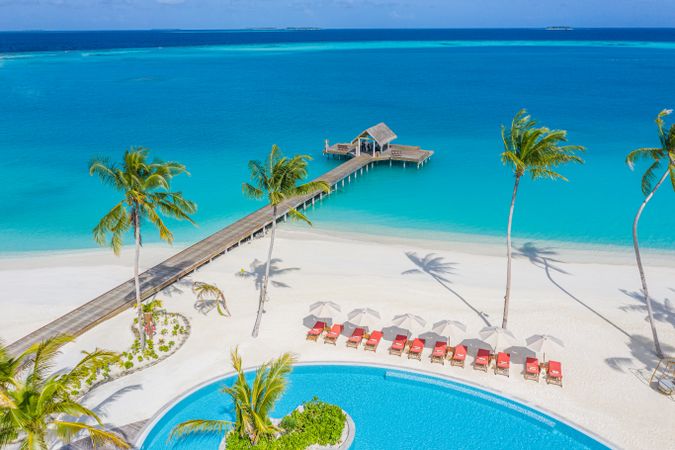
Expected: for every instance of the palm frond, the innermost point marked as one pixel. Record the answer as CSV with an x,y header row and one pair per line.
x,y
199,426
67,430
297,215
42,356
251,191
640,154
536,149
206,290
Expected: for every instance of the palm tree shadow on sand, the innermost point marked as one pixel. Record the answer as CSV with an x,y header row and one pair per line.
x,y
663,311
543,257
640,347
256,272
437,268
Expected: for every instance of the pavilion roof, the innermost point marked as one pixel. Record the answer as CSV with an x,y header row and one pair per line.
x,y
381,133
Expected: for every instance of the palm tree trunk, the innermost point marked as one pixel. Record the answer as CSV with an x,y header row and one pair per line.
x,y
137,281
638,258
265,283
507,295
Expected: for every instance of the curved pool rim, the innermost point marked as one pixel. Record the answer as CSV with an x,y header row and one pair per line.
x,y
447,378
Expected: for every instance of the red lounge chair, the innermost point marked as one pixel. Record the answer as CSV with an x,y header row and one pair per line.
x,y
315,332
373,341
356,338
532,369
333,334
482,360
439,353
398,345
458,356
416,348
554,373
503,364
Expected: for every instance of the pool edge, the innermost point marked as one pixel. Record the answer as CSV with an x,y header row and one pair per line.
x,y
142,436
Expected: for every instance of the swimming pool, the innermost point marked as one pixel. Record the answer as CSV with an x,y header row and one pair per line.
x,y
392,409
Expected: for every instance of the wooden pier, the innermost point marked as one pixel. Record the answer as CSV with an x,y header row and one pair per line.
x,y
164,274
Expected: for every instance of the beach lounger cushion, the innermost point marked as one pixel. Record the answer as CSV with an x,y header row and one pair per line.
x,y
357,335
460,353
532,366
482,357
440,349
399,342
374,338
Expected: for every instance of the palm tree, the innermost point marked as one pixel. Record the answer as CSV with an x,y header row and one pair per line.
x,y
537,150
42,406
206,291
657,156
145,188
277,179
252,403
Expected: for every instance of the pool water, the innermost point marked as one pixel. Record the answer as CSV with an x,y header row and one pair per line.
x,y
392,410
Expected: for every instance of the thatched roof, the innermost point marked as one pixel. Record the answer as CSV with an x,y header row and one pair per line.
x,y
381,133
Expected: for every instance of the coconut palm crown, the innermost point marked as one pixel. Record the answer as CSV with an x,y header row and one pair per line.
x,y
661,159
252,402
277,179
145,195
38,408
537,151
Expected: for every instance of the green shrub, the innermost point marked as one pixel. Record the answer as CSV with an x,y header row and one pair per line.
x,y
319,423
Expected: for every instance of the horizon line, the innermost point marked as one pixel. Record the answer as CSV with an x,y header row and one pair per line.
x,y
316,28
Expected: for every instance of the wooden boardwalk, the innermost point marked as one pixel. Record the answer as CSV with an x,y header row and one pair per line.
x,y
185,262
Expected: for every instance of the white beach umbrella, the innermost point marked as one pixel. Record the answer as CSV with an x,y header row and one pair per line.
x,y
324,310
542,343
364,318
497,337
450,328
410,322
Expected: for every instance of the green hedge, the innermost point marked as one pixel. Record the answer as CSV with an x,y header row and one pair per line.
x,y
319,423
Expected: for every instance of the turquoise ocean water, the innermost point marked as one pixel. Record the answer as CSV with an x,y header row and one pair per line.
x,y
214,107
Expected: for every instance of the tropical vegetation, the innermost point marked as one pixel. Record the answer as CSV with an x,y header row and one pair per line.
x,y
277,179
315,423
209,294
252,402
145,190
661,166
39,407
537,151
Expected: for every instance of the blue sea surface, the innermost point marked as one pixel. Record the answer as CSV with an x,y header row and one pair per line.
x,y
214,100
391,410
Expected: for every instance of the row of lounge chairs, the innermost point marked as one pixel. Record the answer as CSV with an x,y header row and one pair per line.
x,y
441,352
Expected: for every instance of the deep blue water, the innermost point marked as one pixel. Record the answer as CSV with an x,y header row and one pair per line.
x,y
389,412
219,104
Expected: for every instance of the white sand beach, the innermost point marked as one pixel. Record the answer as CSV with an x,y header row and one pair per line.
x,y
587,298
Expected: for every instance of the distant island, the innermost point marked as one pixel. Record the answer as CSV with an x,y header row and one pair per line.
x,y
559,28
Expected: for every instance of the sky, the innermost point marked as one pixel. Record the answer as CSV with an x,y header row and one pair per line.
x,y
228,14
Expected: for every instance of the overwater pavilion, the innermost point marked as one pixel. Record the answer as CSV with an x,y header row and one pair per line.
x,y
376,142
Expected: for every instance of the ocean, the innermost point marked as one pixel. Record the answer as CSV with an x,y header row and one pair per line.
x,y
213,100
